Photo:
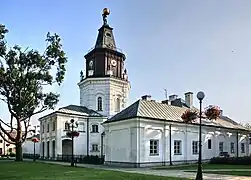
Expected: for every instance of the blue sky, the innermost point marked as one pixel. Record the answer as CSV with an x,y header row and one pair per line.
x,y
178,45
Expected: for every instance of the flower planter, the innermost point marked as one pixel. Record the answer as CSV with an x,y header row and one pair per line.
x,y
189,116
212,112
72,134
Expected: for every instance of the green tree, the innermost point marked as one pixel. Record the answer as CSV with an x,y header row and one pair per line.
x,y
23,75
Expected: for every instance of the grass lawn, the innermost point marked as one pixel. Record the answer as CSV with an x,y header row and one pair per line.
x,y
38,171
234,173
205,166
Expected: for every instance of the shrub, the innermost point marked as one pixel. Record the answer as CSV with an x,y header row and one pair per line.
x,y
246,160
11,154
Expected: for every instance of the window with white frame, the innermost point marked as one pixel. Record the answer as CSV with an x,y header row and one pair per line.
x,y
81,127
232,147
100,104
209,144
117,105
195,147
177,147
66,126
242,147
94,147
94,128
154,147
221,146
53,126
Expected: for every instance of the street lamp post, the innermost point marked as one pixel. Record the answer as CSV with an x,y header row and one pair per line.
x,y
34,140
72,134
199,176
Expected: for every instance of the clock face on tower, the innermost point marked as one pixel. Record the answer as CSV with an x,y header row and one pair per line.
x,y
113,62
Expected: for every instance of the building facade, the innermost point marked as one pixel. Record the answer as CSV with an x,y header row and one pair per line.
x,y
6,147
53,128
105,86
150,133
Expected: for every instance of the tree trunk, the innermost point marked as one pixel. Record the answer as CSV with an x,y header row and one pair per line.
x,y
19,152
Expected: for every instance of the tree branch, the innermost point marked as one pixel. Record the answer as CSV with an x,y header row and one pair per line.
x,y
26,130
43,108
5,132
4,138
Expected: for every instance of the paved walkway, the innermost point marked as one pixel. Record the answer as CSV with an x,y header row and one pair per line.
x,y
166,172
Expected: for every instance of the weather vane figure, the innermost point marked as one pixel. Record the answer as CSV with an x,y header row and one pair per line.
x,y
106,12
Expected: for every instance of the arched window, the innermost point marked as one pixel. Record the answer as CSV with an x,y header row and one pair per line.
x,y
117,105
99,104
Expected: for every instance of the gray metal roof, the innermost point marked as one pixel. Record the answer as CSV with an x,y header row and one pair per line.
x,y
80,110
75,110
161,111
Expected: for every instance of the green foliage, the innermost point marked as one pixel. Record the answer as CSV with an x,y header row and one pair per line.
x,y
245,160
23,75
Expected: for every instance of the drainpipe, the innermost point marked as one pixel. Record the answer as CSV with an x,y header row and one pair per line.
x,y
237,144
164,144
102,144
170,144
87,138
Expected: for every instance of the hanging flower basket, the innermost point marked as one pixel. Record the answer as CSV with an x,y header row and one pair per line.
x,y
189,116
212,112
72,134
35,140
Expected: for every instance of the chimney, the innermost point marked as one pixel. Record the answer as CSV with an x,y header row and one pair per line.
x,y
146,97
165,102
189,99
173,97
221,112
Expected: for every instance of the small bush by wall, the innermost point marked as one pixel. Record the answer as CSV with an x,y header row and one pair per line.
x,y
246,160
67,158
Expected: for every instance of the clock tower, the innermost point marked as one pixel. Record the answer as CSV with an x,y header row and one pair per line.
x,y
105,86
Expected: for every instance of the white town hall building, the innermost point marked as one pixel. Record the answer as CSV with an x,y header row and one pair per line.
x,y
144,134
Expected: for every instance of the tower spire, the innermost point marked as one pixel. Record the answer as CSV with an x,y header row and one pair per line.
x,y
106,12
105,37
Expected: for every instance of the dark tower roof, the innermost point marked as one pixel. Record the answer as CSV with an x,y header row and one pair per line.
x,y
105,36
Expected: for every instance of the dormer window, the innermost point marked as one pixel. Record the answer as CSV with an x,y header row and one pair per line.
x,y
99,103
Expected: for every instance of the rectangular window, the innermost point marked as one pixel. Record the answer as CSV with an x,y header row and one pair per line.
x,y
94,147
242,147
1,151
195,146
48,127
232,147
154,147
1,141
66,126
177,147
43,128
221,146
209,144
95,128
53,126
81,127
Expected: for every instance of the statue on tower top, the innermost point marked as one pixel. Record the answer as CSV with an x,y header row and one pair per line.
x,y
106,12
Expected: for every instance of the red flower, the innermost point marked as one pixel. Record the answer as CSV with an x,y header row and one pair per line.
x,y
72,134
212,112
35,140
188,116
